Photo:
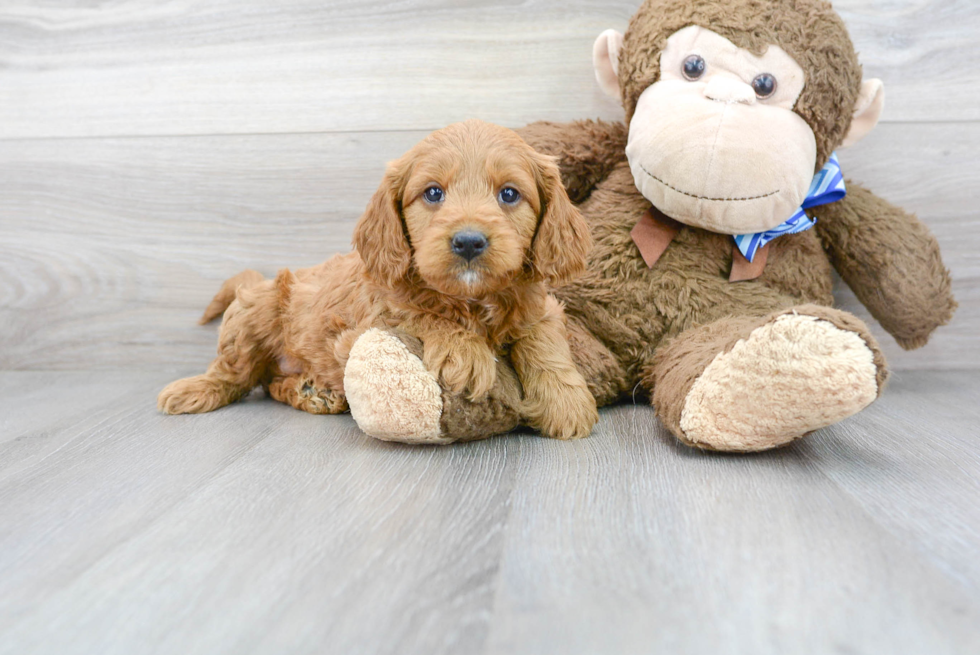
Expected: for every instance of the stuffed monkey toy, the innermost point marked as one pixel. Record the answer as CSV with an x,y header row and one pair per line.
x,y
718,213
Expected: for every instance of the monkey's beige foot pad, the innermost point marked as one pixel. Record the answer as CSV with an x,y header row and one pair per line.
x,y
789,377
392,396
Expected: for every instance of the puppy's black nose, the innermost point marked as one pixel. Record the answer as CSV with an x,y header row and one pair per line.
x,y
469,244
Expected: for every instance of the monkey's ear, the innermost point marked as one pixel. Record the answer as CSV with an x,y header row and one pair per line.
x,y
379,237
867,111
605,58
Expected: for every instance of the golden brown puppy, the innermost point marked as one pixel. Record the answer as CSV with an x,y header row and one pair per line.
x,y
457,247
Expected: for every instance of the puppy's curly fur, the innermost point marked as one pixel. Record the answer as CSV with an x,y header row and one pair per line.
x,y
468,304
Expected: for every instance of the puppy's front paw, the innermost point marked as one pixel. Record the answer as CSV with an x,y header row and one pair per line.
x,y
565,411
462,362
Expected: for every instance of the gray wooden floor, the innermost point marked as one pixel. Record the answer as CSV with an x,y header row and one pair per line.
x,y
151,148
260,529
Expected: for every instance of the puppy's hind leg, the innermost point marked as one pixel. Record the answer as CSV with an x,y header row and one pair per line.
x,y
249,336
304,394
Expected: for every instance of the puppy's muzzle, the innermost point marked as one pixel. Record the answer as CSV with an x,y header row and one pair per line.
x,y
469,244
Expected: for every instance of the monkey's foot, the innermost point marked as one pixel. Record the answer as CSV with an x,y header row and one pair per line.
x,y
747,383
795,374
393,397
391,394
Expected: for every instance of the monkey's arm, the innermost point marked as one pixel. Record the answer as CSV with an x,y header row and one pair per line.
x,y
891,261
586,150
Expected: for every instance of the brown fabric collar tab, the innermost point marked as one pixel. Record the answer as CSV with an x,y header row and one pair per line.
x,y
653,233
744,270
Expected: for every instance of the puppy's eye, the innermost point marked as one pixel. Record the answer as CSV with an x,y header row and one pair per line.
x,y
509,196
694,67
434,194
764,85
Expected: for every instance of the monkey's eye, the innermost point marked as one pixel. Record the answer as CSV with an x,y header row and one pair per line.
x,y
694,67
764,85
434,194
509,196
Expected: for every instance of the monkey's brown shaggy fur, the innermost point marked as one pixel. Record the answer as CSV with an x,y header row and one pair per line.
x,y
294,334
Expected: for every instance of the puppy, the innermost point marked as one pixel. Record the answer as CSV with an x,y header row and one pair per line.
x,y
457,247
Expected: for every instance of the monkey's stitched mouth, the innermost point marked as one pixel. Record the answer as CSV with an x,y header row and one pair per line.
x,y
691,195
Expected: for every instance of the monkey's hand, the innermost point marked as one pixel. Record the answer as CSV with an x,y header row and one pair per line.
x,y
891,261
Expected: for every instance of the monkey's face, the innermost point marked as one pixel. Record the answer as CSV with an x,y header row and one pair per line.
x,y
715,143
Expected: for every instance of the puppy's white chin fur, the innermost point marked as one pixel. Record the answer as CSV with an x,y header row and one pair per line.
x,y
469,277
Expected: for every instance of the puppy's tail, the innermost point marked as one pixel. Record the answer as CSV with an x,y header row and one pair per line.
x,y
226,295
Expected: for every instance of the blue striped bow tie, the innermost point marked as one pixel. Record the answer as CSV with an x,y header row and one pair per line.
x,y
827,187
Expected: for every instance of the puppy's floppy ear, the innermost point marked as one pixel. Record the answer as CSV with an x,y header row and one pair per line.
x,y
562,243
379,236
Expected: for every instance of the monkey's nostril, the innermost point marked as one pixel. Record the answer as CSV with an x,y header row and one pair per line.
x,y
469,244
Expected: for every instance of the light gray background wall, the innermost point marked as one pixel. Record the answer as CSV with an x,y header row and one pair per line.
x,y
148,150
